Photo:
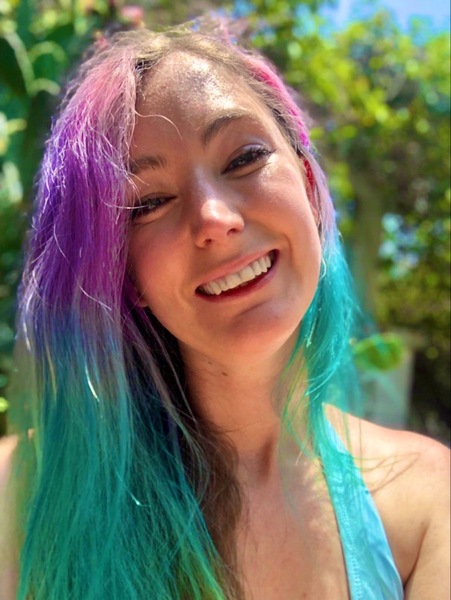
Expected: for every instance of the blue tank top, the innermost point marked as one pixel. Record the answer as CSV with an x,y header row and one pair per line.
x,y
370,567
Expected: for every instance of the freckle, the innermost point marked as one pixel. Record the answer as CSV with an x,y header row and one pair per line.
x,y
224,373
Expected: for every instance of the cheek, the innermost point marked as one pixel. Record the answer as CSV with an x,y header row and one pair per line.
x,y
149,265
287,202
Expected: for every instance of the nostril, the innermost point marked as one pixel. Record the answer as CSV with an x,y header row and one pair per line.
x,y
215,222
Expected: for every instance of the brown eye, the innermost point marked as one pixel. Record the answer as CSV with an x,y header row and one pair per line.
x,y
251,155
149,205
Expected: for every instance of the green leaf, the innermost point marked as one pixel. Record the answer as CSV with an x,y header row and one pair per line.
x,y
25,15
61,34
3,404
44,85
47,47
5,7
17,70
7,129
11,191
379,352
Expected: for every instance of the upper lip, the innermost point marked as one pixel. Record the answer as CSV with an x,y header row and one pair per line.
x,y
232,266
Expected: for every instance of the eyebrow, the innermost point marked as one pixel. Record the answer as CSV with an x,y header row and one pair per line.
x,y
146,162
211,130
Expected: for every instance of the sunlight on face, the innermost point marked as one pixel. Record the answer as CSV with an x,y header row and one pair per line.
x,y
224,246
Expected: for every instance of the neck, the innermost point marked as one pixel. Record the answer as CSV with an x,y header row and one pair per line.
x,y
244,403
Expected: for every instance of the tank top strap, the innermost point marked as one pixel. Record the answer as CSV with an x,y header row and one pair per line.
x,y
370,566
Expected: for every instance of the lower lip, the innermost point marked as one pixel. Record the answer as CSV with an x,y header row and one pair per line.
x,y
240,292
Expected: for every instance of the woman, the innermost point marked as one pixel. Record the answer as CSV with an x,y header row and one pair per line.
x,y
185,317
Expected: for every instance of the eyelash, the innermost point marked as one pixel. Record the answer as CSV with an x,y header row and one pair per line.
x,y
248,157
148,205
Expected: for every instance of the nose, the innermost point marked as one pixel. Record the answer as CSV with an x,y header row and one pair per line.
x,y
215,216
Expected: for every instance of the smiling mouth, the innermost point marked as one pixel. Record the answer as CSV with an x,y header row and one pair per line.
x,y
240,279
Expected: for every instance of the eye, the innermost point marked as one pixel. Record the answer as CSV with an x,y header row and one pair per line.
x,y
251,155
149,205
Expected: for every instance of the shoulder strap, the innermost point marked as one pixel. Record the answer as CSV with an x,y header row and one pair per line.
x,y
370,566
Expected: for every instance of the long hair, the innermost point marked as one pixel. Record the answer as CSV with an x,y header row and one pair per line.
x,y
129,494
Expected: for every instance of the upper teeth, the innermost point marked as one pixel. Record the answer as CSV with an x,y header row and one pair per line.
x,y
256,268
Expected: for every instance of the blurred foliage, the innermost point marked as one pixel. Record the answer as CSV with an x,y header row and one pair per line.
x,y
378,352
379,101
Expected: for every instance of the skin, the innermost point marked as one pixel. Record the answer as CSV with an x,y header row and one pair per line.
x,y
221,208
8,550
218,206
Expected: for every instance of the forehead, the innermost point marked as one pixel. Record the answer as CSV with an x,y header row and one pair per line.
x,y
188,89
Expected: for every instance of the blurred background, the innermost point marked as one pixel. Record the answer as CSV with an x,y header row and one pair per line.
x,y
374,78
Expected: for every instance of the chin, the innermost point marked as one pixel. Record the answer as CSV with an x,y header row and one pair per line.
x,y
273,338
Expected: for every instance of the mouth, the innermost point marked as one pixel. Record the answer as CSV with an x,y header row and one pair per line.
x,y
252,272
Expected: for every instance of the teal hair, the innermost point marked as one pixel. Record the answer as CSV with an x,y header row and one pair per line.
x,y
130,495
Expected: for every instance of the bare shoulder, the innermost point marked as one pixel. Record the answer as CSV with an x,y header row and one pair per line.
x,y
387,455
8,551
7,447
409,477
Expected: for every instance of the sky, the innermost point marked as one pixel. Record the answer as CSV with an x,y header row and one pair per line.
x,y
437,11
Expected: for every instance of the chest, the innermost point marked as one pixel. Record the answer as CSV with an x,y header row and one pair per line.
x,y
292,554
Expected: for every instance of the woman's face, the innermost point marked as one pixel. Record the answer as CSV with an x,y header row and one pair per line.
x,y
224,247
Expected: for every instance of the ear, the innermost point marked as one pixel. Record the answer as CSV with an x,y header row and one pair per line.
x,y
132,290
141,300
311,187
308,173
